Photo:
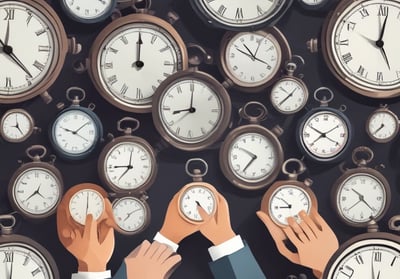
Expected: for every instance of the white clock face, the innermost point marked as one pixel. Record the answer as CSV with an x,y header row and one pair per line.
x,y
130,214
128,165
252,157
20,26
86,202
190,110
288,96
288,201
360,197
75,132
313,2
135,59
88,9
371,26
194,196
23,261
369,258
16,126
325,134
252,59
37,191
383,126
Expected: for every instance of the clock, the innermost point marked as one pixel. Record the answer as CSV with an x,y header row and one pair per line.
x,y
88,11
251,155
36,188
22,256
286,198
317,5
251,61
17,125
369,25
324,133
382,125
361,193
132,56
28,72
234,15
191,110
76,131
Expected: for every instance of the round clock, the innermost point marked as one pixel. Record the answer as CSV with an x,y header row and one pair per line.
x,y
289,94
361,193
370,25
251,155
317,5
132,56
286,198
16,125
191,110
127,164
234,15
28,72
77,130
382,125
324,133
22,256
88,11
251,61
36,188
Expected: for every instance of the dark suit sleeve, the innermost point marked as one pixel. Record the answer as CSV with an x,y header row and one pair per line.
x,y
239,265
121,273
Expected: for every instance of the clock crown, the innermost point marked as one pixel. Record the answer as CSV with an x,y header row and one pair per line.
x,y
5,227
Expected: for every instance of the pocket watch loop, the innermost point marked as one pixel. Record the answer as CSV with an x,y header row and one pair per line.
x,y
394,223
296,171
74,99
196,173
259,109
6,229
323,99
291,65
198,55
129,129
145,7
362,155
39,154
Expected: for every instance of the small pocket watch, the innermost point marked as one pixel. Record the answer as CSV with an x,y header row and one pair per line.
x,y
361,193
382,125
251,61
324,133
197,193
88,11
36,188
251,155
22,256
286,198
289,93
77,130
370,255
17,125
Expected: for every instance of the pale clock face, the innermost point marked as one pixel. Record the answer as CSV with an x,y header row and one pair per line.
x,y
288,96
130,214
88,9
86,202
383,126
194,196
16,126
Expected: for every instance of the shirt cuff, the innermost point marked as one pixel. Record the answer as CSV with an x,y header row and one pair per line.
x,y
91,275
226,248
162,239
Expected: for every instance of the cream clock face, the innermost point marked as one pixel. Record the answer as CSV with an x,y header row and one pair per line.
x,y
288,96
382,126
130,214
88,9
197,196
16,126
84,202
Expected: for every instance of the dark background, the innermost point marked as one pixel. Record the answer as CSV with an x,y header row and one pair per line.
x,y
298,26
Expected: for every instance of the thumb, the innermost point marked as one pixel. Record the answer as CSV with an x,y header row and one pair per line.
x,y
203,213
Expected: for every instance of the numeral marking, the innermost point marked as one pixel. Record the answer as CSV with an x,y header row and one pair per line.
x,y
359,259
364,12
38,65
124,40
153,39
350,26
379,76
113,50
8,82
383,10
124,89
36,271
10,12
343,42
165,48
26,261
221,10
44,48
139,94
40,32
378,257
28,19
239,14
347,57
260,11
113,79
361,71
108,65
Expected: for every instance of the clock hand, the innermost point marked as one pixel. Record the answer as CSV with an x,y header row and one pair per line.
x,y
191,97
380,127
87,203
372,266
287,97
327,132
130,160
12,264
373,42
139,64
75,132
117,167
249,163
383,52
259,44
245,53
288,204
354,205
248,152
125,172
85,139
190,110
379,41
66,129
249,51
360,196
17,125
379,275
7,36
130,213
34,193
9,51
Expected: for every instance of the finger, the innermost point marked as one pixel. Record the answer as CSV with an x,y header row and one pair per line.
x,y
152,249
319,221
161,254
203,213
140,250
307,231
166,254
293,231
223,209
309,222
110,221
105,229
170,264
90,229
275,231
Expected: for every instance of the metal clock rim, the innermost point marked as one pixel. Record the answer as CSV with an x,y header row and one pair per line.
x,y
30,120
76,18
383,109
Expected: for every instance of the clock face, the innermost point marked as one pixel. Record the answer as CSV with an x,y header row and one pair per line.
x,y
22,69
289,95
360,197
16,126
372,26
84,202
130,214
36,191
88,9
197,195
382,126
324,135
19,260
314,2
128,165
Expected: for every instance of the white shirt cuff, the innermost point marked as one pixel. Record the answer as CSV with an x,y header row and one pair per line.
x,y
162,239
92,275
226,248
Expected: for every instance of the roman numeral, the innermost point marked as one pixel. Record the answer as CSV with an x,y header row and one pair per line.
x,y
10,12
239,14
343,42
124,89
113,50
364,12
40,32
113,79
347,57
38,65
108,65
124,40
383,10
378,256
359,259
221,10
260,11
379,76
8,257
361,71
28,19
8,82
165,48
139,94
36,271
44,48
350,26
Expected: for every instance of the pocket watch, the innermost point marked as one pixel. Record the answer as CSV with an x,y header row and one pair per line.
x,y
286,198
370,25
197,193
361,193
132,56
236,16
36,188
324,133
289,94
191,110
382,125
370,255
127,163
26,73
22,256
88,11
251,61
251,155
77,130
17,125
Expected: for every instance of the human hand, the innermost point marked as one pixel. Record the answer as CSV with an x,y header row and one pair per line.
x,y
151,261
309,236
